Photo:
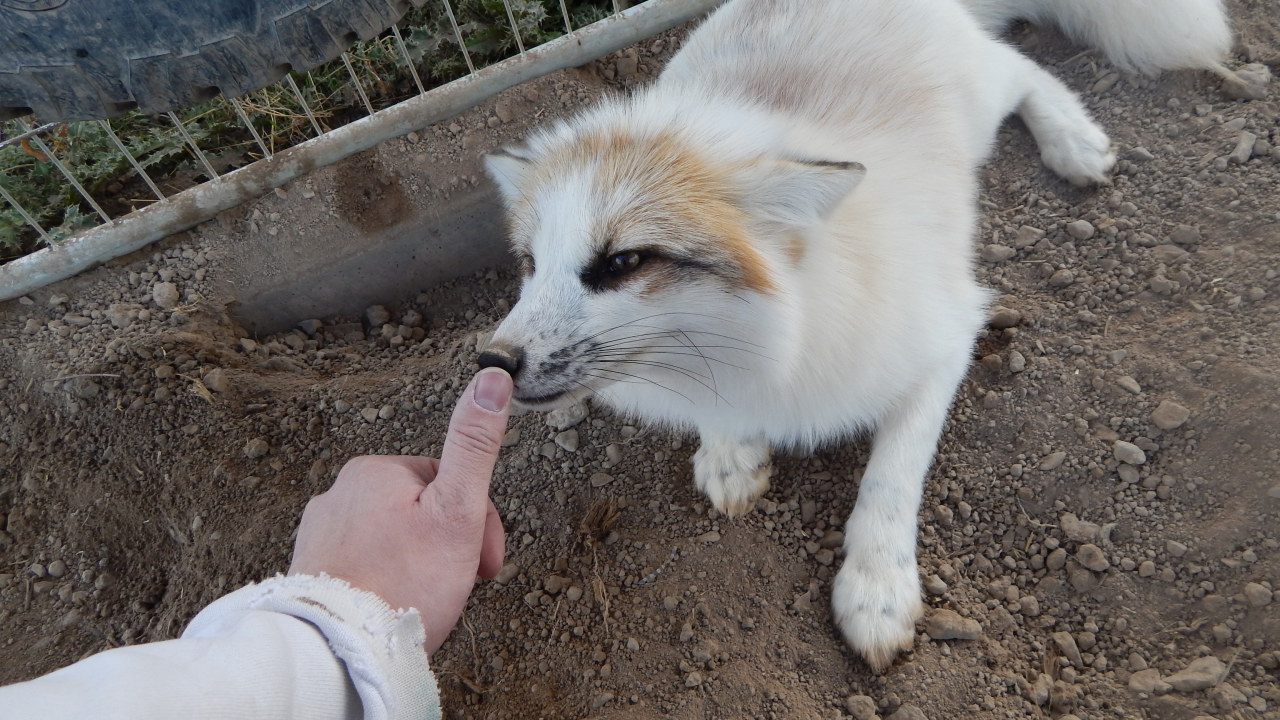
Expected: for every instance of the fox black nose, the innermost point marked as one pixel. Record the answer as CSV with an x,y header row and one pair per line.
x,y
508,359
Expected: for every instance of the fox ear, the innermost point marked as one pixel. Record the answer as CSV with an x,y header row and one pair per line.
x,y
800,192
508,166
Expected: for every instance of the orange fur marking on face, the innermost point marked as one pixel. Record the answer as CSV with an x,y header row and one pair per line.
x,y
675,199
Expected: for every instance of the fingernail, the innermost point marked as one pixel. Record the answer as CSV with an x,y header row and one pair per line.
x,y
493,389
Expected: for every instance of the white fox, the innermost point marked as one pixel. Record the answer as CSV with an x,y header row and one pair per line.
x,y
772,245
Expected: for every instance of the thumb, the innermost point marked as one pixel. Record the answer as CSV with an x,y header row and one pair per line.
x,y
471,445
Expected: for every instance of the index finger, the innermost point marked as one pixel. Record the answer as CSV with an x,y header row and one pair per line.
x,y
474,438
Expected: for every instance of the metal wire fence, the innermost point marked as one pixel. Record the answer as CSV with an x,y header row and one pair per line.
x,y
97,174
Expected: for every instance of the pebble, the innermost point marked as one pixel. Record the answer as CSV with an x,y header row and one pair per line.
x,y
599,480
994,253
1127,452
1003,317
377,316
57,569
1053,460
507,573
1078,530
1062,278
386,412
908,712
341,406
935,585
1017,361
1091,556
216,380
693,679
1140,154
1175,548
1185,235
1027,236
165,294
946,624
566,417
1256,594
370,414
1067,646
1149,681
1029,606
256,448
568,440
1244,148
1057,559
1128,384
861,707
1080,229
1169,415
1201,674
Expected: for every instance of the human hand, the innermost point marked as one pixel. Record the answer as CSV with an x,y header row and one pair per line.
x,y
415,530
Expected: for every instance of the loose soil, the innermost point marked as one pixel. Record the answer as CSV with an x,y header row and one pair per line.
x,y
1106,498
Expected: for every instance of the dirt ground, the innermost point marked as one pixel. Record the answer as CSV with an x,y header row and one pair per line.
x,y
1105,503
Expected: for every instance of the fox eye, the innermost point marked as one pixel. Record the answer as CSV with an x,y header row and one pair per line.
x,y
625,262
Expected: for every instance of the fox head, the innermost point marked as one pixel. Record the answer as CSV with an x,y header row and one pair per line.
x,y
655,261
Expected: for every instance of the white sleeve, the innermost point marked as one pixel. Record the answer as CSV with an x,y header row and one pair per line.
x,y
289,647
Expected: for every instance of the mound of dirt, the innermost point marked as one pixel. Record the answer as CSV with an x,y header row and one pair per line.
x,y
1100,531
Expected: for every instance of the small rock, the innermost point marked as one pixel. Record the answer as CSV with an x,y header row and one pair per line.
x,y
1041,689
861,707
1080,229
908,712
1029,606
554,584
1169,254
386,412
1149,681
377,316
57,569
946,624
1175,548
1185,235
1017,362
1201,674
935,585
996,253
708,538
1256,594
599,480
693,679
1091,556
1169,415
566,417
1081,531
256,448
1062,278
1244,148
507,573
1027,236
1140,155
1067,646
1053,461
216,380
568,440
1056,560
370,414
1128,384
1003,317
1226,696
1127,452
165,294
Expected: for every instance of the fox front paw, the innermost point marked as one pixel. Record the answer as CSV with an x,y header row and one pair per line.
x,y
733,475
876,608
1082,154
